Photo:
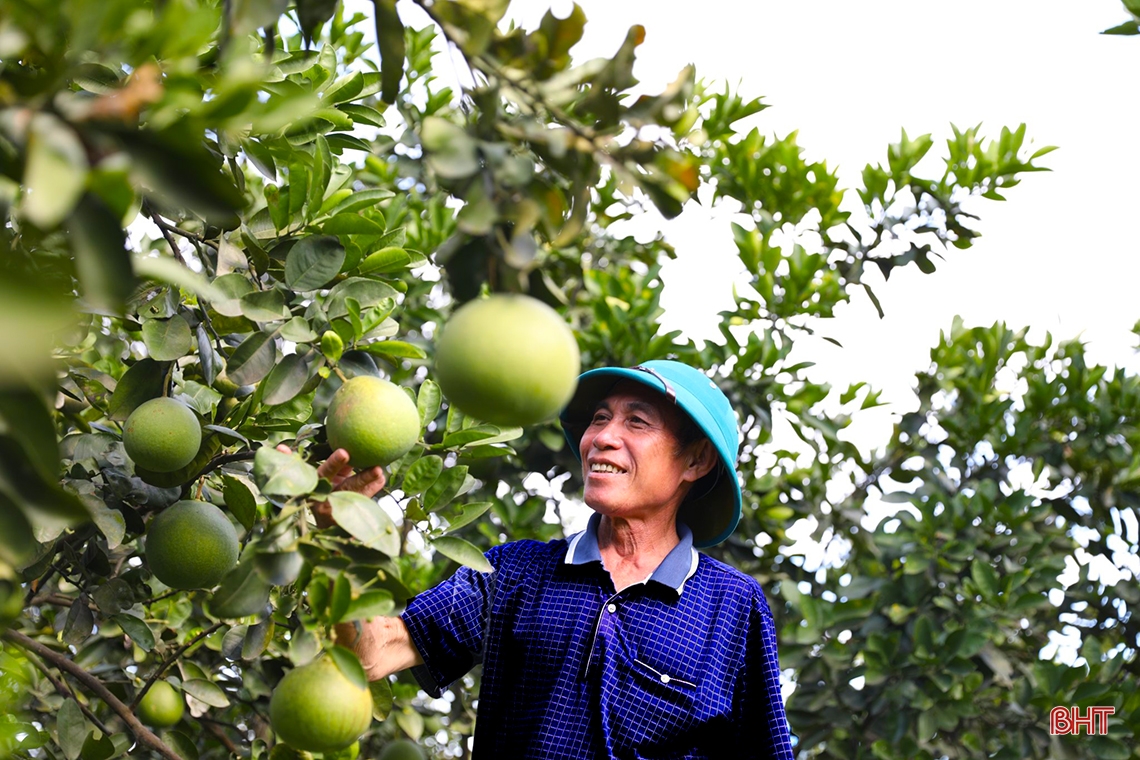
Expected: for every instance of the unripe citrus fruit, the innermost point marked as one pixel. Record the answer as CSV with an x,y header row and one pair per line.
x,y
507,360
162,435
402,749
317,708
161,706
191,544
372,419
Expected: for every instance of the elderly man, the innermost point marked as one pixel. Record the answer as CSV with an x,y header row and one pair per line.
x,y
621,641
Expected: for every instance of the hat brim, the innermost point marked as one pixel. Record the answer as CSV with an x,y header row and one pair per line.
x,y
714,514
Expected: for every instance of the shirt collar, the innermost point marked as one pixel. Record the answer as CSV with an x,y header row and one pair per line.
x,y
679,564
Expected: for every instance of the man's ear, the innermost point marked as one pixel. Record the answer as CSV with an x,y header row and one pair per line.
x,y
702,459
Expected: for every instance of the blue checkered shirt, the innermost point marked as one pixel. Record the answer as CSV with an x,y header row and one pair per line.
x,y
680,666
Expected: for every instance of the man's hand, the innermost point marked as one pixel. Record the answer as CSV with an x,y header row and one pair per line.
x,y
337,470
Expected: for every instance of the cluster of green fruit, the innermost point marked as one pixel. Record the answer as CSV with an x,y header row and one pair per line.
x,y
507,360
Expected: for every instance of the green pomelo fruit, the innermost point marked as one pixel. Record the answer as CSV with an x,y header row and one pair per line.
x,y
191,544
161,706
317,708
509,360
402,749
285,752
372,419
162,435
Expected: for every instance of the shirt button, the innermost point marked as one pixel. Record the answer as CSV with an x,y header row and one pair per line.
x,y
664,678
611,608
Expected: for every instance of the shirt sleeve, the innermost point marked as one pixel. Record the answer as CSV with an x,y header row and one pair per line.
x,y
759,719
447,625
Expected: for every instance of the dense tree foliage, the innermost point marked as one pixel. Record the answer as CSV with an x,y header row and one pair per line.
x,y
239,205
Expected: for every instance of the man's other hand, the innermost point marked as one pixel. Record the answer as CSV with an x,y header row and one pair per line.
x,y
338,471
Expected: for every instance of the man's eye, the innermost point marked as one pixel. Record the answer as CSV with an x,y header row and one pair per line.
x,y
598,418
637,420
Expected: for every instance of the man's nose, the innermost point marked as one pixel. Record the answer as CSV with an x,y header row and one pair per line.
x,y
606,437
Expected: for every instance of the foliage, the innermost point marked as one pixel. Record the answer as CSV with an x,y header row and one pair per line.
x,y
239,209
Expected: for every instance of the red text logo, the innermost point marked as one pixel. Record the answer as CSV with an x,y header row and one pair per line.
x,y
1068,720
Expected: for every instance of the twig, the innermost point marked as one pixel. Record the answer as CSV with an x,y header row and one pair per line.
x,y
214,727
170,660
66,693
213,464
140,732
163,227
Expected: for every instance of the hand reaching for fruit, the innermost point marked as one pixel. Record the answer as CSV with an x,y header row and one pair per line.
x,y
343,476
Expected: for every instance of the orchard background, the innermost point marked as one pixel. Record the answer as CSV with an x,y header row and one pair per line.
x,y
195,192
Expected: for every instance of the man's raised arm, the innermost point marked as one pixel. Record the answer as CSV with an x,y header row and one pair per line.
x,y
383,643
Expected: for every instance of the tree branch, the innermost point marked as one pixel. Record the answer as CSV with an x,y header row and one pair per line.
x,y
169,661
213,464
140,732
66,693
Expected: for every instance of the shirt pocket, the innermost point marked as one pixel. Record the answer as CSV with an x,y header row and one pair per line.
x,y
653,708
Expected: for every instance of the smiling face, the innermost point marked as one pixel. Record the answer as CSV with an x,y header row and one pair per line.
x,y
632,464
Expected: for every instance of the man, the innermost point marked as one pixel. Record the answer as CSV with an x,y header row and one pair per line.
x,y
621,641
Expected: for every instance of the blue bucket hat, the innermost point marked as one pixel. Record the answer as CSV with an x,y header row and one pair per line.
x,y
712,508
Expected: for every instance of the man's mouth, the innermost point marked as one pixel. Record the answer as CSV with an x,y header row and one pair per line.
x,y
606,468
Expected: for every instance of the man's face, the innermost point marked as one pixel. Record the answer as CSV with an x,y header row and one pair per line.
x,y
630,463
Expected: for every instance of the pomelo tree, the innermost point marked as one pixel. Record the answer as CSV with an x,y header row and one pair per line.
x,y
242,205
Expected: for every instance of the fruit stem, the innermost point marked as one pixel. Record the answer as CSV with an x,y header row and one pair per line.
x,y
340,374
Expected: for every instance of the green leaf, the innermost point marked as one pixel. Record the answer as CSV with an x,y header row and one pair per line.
x,y
298,330
463,552
411,722
314,262
257,638
206,692
467,514
362,114
285,380
239,501
280,474
141,382
395,348
242,592
114,596
461,438
264,306
72,729
167,339
366,521
381,698
340,598
1128,28
303,647
345,89
446,487
351,224
983,574
101,256
421,475
361,200
137,629
428,401
390,41
253,359
232,287
97,749
182,745
25,418
390,259
368,293
279,568
55,171
451,152
370,604
349,666
79,623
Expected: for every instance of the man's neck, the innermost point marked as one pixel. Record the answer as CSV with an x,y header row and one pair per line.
x,y
632,549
